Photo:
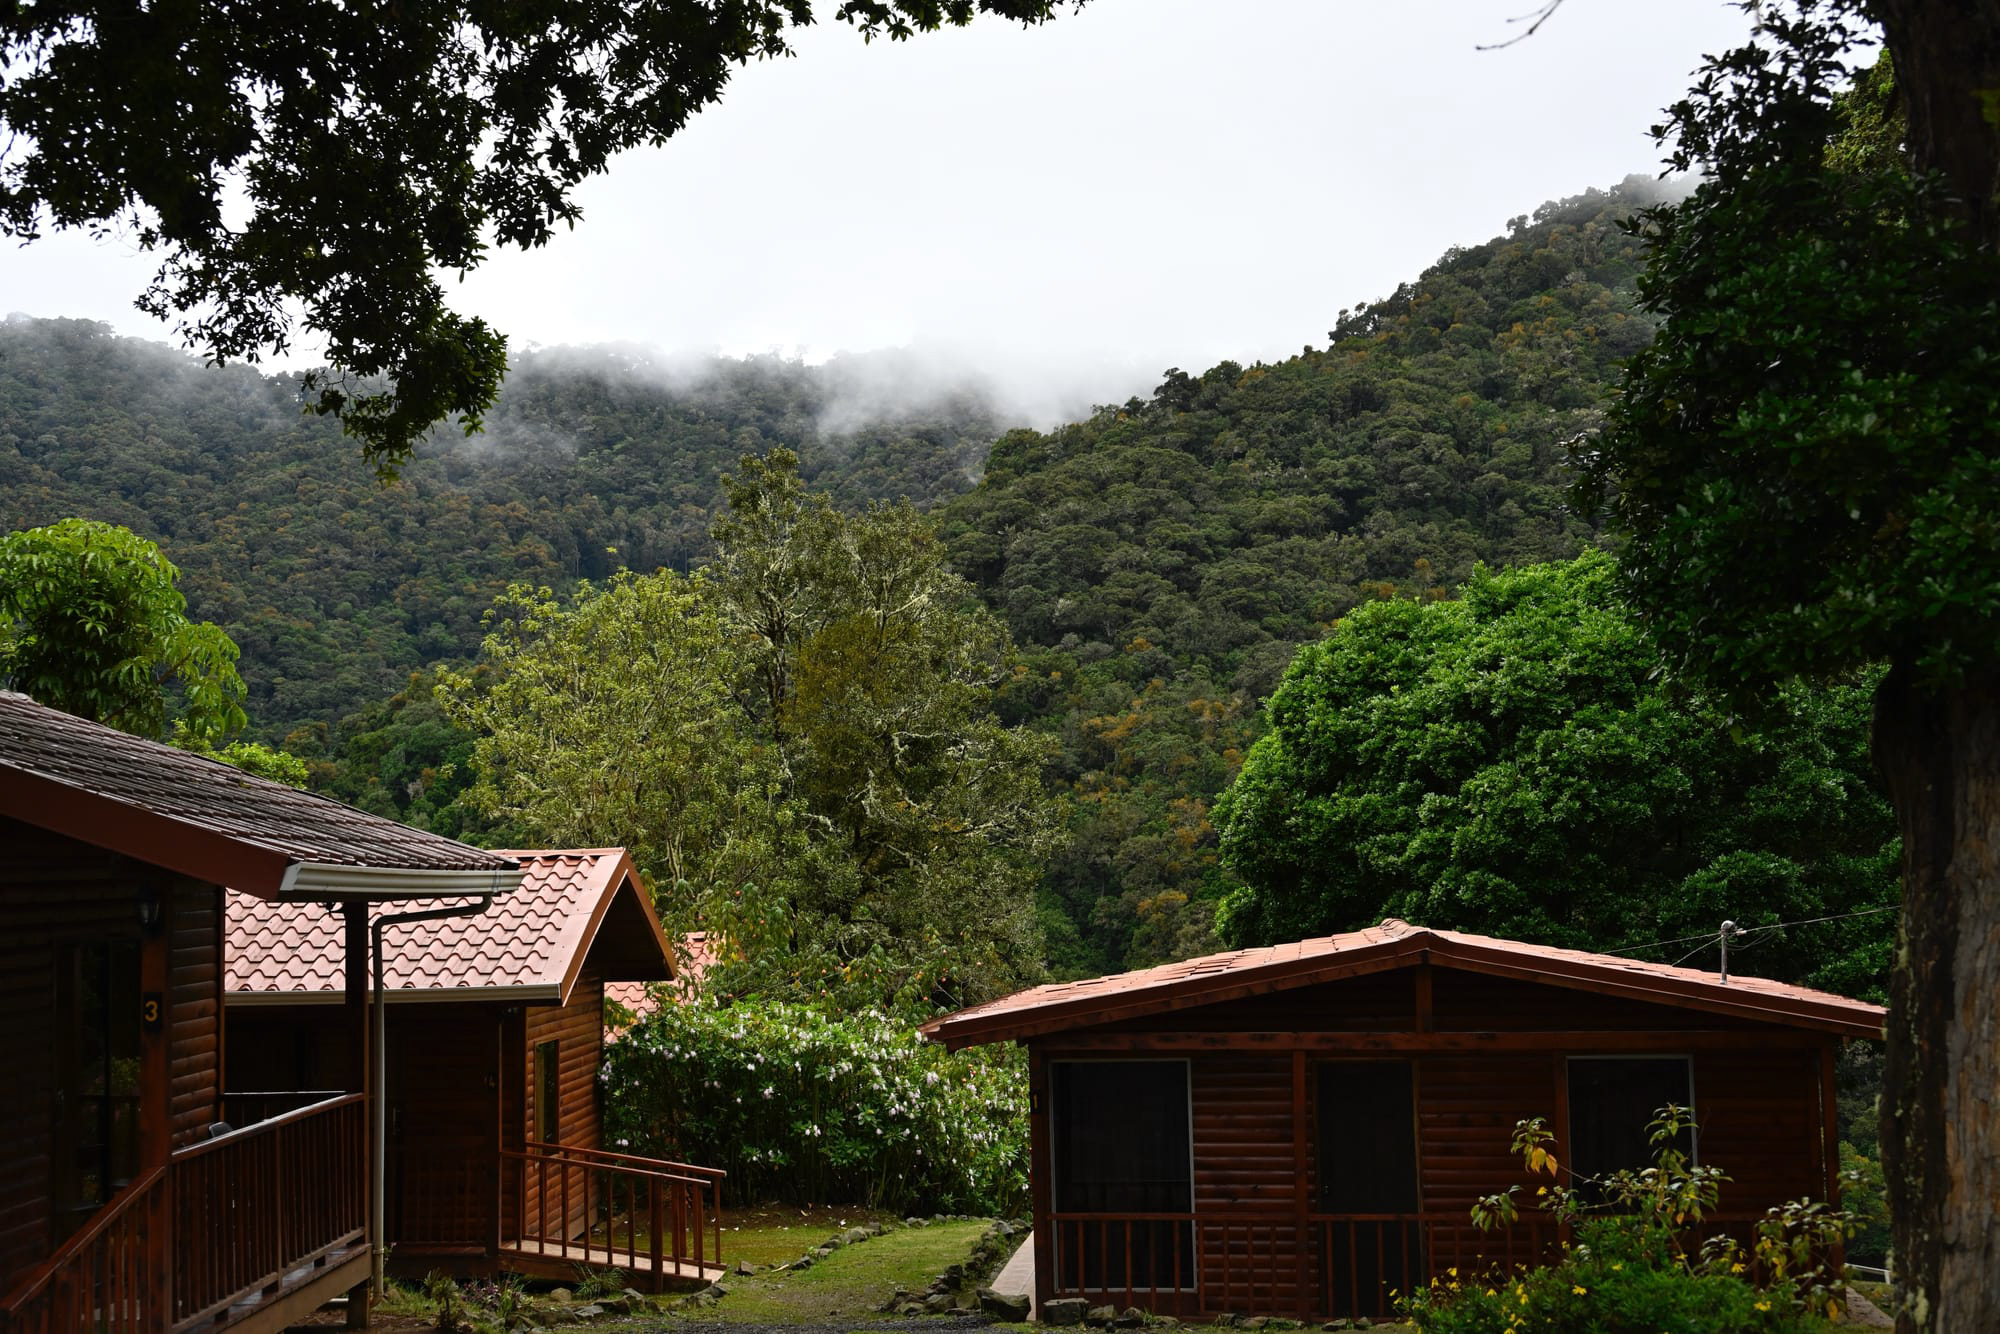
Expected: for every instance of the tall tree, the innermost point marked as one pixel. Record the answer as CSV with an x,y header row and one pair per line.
x,y
1512,763
873,669
91,623
318,163
1806,464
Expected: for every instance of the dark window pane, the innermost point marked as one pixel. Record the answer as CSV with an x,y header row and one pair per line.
x,y
1612,1103
1121,1146
1367,1138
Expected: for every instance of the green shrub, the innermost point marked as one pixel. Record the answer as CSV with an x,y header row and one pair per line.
x,y
809,1108
1635,1264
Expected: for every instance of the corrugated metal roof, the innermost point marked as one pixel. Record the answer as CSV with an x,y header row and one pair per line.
x,y
157,803
1064,1005
530,942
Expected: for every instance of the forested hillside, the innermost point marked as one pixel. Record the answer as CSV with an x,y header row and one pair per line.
x,y
336,587
1169,555
1157,563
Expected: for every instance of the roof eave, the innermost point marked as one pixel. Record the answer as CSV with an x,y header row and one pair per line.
x,y
539,993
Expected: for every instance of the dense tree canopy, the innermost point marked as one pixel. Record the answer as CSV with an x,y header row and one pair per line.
x,y
1512,764
799,747
317,164
91,622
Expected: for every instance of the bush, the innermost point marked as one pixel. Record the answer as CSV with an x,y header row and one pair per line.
x,y
809,1108
1633,1266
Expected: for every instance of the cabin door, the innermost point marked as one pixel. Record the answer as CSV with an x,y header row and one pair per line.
x,y
1124,1178
98,1035
444,1151
1368,1230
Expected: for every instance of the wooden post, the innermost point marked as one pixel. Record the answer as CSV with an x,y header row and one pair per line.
x,y
1829,1117
1040,1165
1302,1186
1561,1063
354,1015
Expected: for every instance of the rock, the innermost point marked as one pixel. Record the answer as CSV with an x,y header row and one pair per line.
x,y
853,1235
832,1243
1005,1305
804,1262
1064,1311
939,1302
716,1291
560,1294
1129,1318
821,1252
1101,1316
745,1268
872,1229
1254,1322
634,1294
615,1305
954,1272
590,1312
911,1308
913,1222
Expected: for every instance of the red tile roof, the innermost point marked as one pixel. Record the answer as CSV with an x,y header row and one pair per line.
x,y
214,822
1216,977
531,945
692,960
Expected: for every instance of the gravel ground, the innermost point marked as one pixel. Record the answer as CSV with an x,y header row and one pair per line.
x,y
908,1325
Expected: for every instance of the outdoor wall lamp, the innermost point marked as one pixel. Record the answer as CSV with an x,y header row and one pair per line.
x,y
150,912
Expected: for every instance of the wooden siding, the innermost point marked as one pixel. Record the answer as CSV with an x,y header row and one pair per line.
x,y
53,891
1467,1002
578,1030
194,939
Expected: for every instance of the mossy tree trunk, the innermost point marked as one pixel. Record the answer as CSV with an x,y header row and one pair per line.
x,y
1940,755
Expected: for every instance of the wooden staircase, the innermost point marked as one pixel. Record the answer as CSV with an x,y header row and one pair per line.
x,y
660,1222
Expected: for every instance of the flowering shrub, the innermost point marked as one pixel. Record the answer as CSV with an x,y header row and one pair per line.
x,y
809,1108
1631,1269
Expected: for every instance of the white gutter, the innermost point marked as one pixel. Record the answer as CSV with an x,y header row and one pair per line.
x,y
321,882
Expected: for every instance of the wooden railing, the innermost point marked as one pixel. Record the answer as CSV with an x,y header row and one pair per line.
x,y
107,1279
253,1204
248,1107
616,1209
1256,1261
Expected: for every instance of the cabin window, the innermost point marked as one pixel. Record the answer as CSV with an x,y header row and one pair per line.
x,y
97,1036
1123,1145
1368,1235
1612,1103
548,1091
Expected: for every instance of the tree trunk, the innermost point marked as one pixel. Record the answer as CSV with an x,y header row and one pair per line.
x,y
1939,753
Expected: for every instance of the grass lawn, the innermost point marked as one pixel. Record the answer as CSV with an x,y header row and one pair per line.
x,y
775,1234
851,1283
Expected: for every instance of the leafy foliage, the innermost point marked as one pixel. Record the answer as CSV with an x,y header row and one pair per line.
x,y
337,158
1803,458
803,1106
1512,764
1163,559
799,747
1637,1263
91,623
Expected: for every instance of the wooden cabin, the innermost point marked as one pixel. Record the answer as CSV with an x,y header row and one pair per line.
x,y
126,1204
1302,1130
494,1036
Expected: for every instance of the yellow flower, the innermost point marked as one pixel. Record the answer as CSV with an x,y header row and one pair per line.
x,y
1763,1306
1736,1268
1620,1265
1453,1271
1578,1289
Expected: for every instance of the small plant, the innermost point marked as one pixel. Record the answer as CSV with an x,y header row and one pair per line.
x,y
594,1283
443,1293
1633,1263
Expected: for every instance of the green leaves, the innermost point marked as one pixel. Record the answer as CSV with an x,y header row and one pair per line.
x,y
91,623
1804,457
1511,764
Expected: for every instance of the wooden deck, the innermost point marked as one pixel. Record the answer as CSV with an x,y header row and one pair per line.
x,y
555,1259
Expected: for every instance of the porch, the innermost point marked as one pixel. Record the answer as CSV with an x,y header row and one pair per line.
x,y
660,1222
246,1231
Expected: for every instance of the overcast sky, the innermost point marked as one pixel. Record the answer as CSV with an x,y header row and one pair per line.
x,y
1075,207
